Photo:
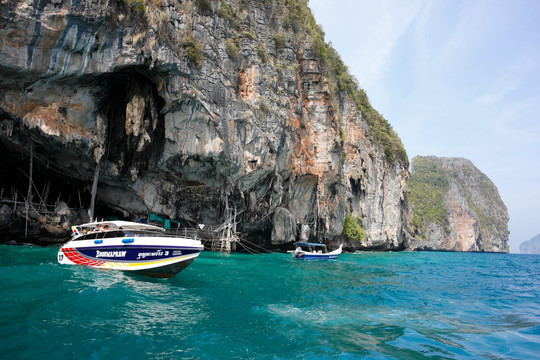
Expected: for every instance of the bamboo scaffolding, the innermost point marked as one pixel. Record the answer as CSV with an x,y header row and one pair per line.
x,y
94,191
227,235
28,198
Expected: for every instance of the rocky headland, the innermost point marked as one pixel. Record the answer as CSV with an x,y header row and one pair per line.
x,y
455,207
197,110
531,246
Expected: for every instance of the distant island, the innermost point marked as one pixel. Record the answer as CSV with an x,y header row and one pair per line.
x,y
531,246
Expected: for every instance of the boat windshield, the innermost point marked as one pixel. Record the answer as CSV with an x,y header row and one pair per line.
x,y
312,247
117,234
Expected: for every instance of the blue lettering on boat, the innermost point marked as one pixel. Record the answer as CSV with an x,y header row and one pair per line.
x,y
142,255
114,254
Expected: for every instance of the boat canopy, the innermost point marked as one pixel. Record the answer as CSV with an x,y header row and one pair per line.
x,y
309,244
119,224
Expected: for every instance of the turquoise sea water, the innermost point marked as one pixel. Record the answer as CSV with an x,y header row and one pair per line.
x,y
370,305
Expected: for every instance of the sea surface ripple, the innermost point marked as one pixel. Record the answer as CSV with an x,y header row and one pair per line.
x,y
422,305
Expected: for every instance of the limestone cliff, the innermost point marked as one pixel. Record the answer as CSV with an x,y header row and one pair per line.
x,y
189,108
531,246
455,207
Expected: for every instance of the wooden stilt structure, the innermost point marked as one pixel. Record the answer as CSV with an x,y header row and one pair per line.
x,y
227,236
15,202
94,191
29,195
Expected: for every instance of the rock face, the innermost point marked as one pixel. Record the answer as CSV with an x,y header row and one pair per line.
x,y
455,207
190,108
531,246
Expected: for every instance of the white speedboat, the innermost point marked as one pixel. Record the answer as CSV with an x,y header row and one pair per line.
x,y
313,251
130,246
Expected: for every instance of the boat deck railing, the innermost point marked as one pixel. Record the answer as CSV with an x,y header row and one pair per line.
x,y
184,233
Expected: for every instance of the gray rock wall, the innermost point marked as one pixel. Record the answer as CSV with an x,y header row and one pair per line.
x,y
101,82
477,219
531,246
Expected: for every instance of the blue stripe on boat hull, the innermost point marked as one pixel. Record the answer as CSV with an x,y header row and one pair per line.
x,y
135,253
316,257
319,257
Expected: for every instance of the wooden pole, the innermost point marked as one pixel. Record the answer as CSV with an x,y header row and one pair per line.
x,y
47,189
94,191
46,194
234,219
29,189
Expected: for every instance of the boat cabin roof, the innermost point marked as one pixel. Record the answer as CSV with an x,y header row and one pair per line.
x,y
119,224
309,244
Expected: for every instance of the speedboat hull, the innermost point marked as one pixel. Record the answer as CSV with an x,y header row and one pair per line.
x,y
150,254
161,261
311,256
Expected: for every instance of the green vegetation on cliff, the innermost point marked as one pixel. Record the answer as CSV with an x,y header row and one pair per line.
x,y
352,229
331,64
193,50
489,211
136,4
298,18
232,48
379,128
428,184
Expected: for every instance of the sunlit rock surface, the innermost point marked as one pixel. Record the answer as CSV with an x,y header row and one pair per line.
x,y
456,207
88,83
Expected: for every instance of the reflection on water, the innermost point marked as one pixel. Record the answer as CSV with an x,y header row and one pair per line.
x,y
145,303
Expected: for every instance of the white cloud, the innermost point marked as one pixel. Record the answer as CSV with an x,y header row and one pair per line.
x,y
421,30
508,82
366,32
394,19
518,122
469,31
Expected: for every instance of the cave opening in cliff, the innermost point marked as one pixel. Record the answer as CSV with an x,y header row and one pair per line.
x,y
133,108
105,211
355,186
51,185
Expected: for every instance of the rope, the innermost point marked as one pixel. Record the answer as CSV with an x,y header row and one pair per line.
x,y
5,226
52,167
252,251
260,247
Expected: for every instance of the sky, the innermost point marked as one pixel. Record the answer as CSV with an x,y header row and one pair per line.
x,y
455,78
